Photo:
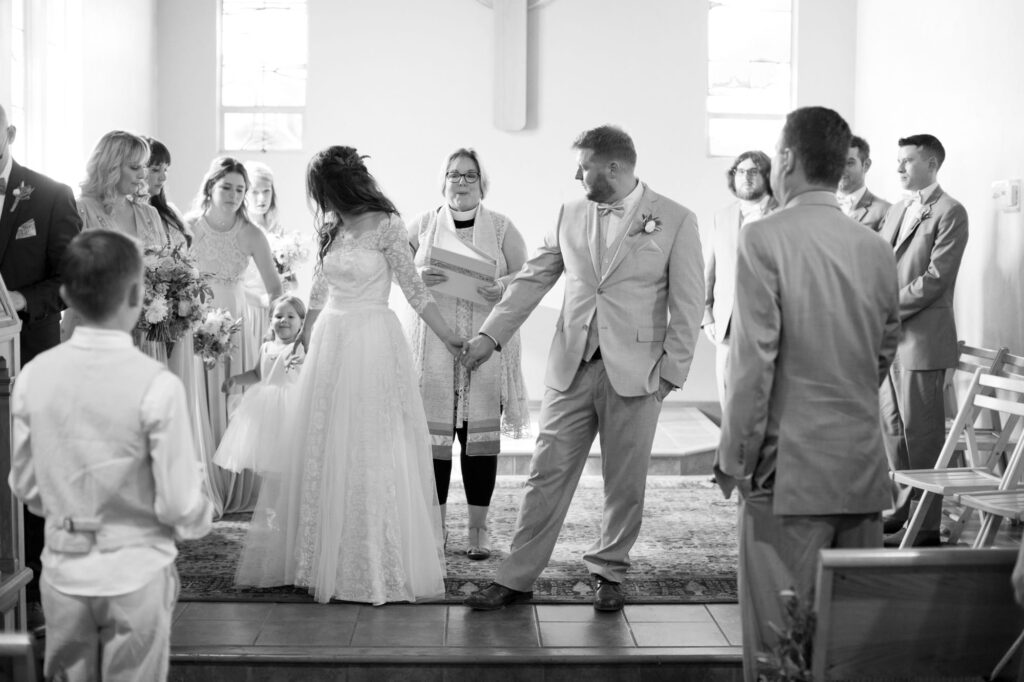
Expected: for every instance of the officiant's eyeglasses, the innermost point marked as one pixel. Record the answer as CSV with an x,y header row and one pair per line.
x,y
455,177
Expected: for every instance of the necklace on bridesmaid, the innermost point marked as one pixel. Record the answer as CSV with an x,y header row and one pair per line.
x,y
220,225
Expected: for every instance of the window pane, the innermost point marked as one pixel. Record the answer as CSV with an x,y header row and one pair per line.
x,y
733,136
749,72
262,131
264,47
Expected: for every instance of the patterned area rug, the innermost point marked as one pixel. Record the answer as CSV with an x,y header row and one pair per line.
x,y
686,552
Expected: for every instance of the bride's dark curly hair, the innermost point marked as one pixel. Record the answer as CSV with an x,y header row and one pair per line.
x,y
338,182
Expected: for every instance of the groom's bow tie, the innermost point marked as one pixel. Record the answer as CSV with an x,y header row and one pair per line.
x,y
3,185
615,209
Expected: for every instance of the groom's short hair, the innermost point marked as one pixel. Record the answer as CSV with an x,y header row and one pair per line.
x,y
98,268
609,143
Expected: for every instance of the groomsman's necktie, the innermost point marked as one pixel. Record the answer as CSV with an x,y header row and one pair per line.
x,y
3,185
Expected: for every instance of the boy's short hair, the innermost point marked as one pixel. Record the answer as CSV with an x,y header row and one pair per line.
x,y
98,268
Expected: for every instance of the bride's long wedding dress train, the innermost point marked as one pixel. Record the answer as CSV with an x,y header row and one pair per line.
x,y
354,515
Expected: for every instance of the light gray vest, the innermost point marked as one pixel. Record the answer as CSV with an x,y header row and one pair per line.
x,y
91,450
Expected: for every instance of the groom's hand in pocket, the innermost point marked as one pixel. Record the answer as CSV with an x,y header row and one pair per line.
x,y
664,388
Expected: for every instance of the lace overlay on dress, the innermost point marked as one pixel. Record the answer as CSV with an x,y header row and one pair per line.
x,y
218,253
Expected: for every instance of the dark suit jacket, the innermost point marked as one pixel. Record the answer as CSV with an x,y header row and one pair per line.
x,y
33,237
927,261
870,211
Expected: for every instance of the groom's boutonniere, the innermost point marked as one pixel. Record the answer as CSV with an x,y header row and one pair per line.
x,y
21,193
649,224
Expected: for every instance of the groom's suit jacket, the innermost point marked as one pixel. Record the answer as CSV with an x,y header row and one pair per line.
x,y
649,299
814,331
928,259
33,237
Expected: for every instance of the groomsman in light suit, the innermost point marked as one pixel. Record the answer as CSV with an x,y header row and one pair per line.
x,y
928,231
854,197
38,220
815,328
749,181
634,294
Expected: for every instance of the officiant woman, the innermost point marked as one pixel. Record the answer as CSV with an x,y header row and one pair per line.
x,y
475,411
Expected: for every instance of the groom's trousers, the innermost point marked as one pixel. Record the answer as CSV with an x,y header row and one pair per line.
x,y
569,420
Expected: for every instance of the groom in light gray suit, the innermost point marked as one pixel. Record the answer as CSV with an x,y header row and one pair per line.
x,y
634,297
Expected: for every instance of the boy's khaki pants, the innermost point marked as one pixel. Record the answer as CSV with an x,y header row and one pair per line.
x,y
124,637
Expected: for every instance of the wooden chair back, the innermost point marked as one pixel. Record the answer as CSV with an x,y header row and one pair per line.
x,y
896,614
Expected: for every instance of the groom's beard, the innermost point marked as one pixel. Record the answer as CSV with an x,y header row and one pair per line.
x,y
601,191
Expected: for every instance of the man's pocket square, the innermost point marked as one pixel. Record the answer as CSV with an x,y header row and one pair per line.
x,y
26,229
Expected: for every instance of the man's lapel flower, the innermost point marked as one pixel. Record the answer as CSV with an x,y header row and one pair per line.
x,y
21,193
649,224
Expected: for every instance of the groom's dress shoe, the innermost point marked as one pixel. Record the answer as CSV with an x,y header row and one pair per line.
x,y
608,596
925,538
495,596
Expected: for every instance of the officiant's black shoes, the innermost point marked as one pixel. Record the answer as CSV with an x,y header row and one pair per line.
x,y
608,596
495,596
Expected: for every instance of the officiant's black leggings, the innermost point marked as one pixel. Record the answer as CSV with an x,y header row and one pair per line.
x,y
478,474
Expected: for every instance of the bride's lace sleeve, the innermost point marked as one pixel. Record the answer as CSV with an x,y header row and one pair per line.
x,y
394,244
319,294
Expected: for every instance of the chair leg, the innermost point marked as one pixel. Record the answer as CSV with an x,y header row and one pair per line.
x,y
989,528
917,519
957,527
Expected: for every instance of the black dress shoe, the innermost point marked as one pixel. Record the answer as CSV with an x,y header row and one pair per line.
x,y
495,596
608,596
892,524
925,538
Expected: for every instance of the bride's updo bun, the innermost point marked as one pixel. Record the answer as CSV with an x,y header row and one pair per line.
x,y
338,183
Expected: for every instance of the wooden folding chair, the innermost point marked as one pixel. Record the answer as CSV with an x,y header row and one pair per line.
x,y
942,480
969,359
17,657
925,613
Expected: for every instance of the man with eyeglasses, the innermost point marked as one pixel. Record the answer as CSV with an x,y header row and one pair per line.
x,y
854,197
630,318
748,180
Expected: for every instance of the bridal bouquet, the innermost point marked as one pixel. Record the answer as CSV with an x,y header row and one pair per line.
x,y
289,250
175,296
214,337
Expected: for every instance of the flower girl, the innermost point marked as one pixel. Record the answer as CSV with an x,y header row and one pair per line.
x,y
251,440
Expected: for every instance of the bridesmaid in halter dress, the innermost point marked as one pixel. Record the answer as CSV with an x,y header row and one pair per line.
x,y
261,203
225,243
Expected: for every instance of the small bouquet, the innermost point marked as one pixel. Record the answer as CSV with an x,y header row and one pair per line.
x,y
289,249
214,337
175,297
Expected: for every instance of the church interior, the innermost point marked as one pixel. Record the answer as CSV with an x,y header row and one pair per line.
x,y
406,82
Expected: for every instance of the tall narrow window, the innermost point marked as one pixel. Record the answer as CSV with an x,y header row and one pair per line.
x,y
750,73
263,74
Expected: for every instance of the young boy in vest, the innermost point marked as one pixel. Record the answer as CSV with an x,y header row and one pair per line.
x,y
103,451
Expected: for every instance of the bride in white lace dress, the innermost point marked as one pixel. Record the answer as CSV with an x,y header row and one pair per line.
x,y
354,516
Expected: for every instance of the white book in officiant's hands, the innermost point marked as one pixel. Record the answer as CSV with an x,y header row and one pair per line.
x,y
466,267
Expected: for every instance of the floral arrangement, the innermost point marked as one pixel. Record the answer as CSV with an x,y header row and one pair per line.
x,y
289,250
790,658
175,296
214,337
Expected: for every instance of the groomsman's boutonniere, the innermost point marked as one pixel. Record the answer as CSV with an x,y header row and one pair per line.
x,y
926,210
21,193
649,224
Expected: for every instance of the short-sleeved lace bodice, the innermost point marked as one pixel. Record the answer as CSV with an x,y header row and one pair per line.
x,y
218,253
358,270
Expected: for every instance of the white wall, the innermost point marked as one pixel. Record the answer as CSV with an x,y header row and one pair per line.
x,y
407,81
952,69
